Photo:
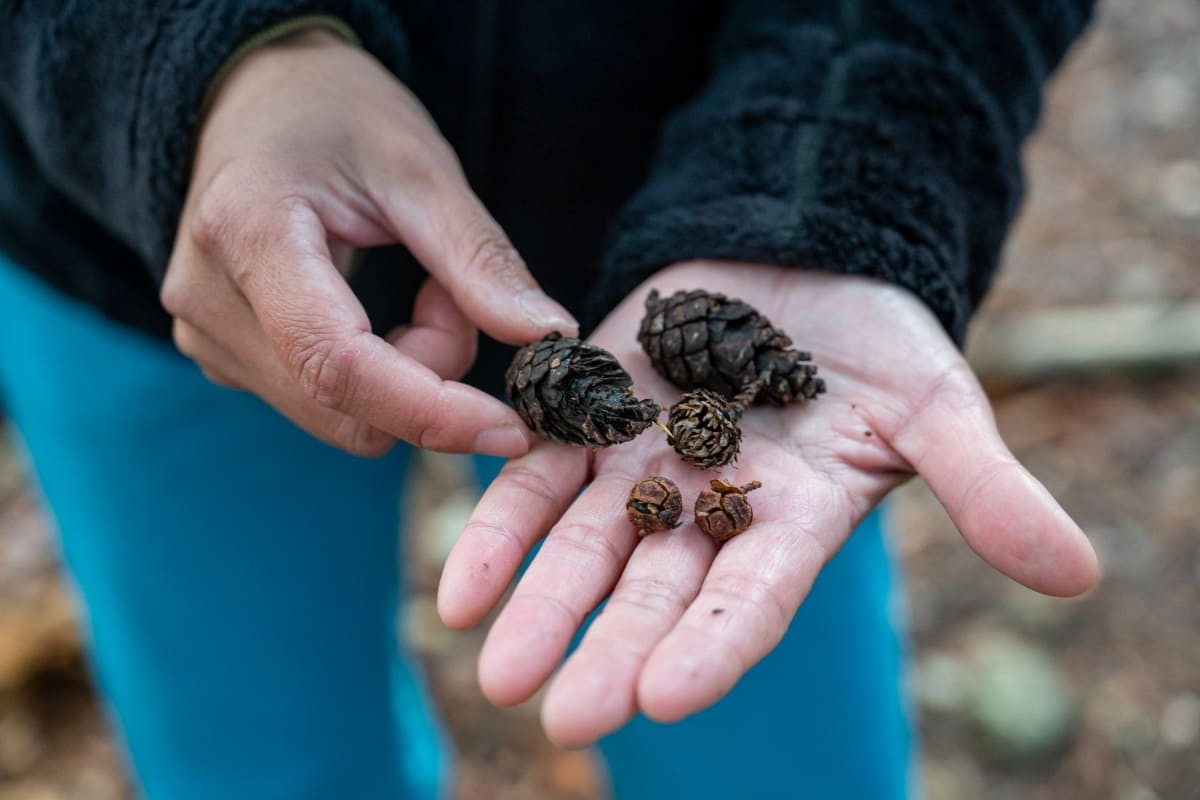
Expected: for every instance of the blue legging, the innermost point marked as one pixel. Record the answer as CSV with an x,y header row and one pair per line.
x,y
240,582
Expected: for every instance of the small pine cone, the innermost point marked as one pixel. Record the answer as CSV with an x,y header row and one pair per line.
x,y
654,504
724,511
704,339
703,429
573,392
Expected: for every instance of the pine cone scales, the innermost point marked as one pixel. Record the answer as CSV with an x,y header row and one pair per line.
x,y
703,429
703,339
573,392
724,511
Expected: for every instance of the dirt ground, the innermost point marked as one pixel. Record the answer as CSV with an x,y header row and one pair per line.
x,y
1020,696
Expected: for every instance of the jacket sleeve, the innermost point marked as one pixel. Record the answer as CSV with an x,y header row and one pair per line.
x,y
108,94
878,137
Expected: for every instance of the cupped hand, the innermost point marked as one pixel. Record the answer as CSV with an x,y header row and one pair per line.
x,y
685,619
311,149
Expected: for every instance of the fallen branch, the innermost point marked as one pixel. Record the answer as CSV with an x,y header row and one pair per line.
x,y
1056,341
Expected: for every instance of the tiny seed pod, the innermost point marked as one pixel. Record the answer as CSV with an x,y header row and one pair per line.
x,y
703,429
724,511
654,504
703,426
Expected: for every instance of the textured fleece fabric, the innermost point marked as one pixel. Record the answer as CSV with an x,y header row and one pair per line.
x,y
876,137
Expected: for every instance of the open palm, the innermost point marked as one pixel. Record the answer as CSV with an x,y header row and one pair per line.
x,y
685,619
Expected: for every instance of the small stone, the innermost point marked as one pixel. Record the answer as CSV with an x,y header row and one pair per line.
x,y
723,511
941,680
1019,698
1180,188
1180,722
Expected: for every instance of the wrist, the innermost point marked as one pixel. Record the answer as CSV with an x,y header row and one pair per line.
x,y
304,32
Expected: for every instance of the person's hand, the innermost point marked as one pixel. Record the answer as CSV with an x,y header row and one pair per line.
x,y
686,619
311,149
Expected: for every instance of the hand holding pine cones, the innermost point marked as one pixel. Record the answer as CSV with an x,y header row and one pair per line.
x,y
722,350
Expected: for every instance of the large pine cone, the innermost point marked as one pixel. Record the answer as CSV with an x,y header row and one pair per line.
x,y
576,393
703,339
703,429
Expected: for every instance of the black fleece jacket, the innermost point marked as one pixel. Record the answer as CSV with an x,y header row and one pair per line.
x,y
875,137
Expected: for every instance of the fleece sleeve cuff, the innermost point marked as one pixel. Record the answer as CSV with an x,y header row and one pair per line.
x,y
862,143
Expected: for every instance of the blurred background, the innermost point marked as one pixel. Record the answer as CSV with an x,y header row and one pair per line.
x,y
1090,348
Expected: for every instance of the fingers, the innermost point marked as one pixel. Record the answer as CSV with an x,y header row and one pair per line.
x,y
440,336
217,363
595,692
454,237
528,496
1004,513
318,330
576,568
742,611
265,375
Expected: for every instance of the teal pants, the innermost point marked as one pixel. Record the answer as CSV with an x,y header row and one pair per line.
x,y
241,585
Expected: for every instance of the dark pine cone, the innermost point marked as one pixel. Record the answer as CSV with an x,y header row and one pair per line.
x,y
576,393
724,510
703,429
654,504
703,339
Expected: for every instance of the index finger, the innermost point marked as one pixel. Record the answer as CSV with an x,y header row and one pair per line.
x,y
321,332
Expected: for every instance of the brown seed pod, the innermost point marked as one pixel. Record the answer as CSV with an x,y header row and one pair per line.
x,y
724,511
703,429
704,339
576,393
654,504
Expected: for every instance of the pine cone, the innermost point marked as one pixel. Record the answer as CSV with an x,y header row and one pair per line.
x,y
573,392
724,510
703,339
703,429
654,504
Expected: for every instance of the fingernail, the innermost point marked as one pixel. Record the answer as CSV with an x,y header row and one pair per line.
x,y
543,311
502,442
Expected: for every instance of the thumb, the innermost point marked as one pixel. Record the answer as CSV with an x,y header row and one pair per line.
x,y
1003,512
457,241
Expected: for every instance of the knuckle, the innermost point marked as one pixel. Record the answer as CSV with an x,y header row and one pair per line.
x,y
174,295
652,596
588,541
431,428
215,220
494,260
562,608
487,529
531,482
185,338
325,369
612,643
362,439
412,170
